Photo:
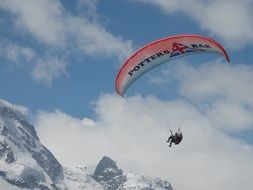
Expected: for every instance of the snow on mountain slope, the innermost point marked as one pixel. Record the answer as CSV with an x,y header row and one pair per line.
x,y
24,161
136,181
79,178
4,185
112,178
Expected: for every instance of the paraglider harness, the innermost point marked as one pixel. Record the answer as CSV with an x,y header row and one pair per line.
x,y
176,139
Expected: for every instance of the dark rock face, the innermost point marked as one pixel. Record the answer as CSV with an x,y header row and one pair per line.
x,y
19,117
28,181
106,169
48,163
6,153
108,174
112,178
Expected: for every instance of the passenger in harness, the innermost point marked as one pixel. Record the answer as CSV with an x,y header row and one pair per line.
x,y
176,139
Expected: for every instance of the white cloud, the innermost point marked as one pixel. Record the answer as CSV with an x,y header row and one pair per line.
x,y
227,87
71,151
231,115
230,81
88,122
230,20
60,31
93,39
49,68
51,23
222,91
24,110
43,68
88,8
133,131
42,18
15,53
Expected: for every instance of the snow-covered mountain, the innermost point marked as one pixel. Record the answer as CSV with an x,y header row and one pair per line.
x,y
112,178
26,164
24,161
79,178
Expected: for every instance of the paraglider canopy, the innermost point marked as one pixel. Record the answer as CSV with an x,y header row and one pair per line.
x,y
162,51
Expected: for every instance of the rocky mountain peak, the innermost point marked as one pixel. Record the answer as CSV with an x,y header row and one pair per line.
x,y
108,174
25,162
106,169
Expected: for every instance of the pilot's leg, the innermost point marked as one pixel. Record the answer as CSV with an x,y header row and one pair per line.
x,y
169,139
171,143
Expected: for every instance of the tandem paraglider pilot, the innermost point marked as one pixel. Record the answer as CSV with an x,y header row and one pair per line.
x,y
176,139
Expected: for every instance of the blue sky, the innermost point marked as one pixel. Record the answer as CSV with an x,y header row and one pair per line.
x,y
59,59
79,82
74,90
